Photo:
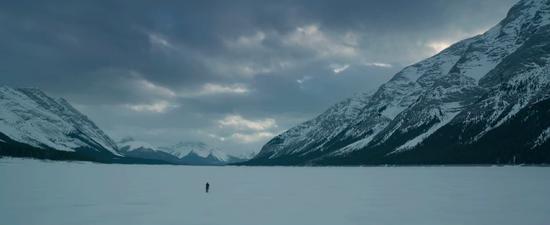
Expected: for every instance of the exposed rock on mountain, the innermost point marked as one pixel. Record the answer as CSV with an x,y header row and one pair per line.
x,y
482,100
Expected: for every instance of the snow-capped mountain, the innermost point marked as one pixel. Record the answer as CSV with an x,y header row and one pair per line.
x,y
199,153
143,150
187,153
34,124
485,99
182,149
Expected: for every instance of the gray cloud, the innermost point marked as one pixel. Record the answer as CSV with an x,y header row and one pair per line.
x,y
165,71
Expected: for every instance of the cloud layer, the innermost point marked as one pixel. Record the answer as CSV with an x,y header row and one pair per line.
x,y
230,73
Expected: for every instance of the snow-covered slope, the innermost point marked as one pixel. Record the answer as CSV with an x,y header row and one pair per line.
x,y
466,93
28,117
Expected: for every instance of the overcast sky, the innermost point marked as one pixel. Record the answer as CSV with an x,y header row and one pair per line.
x,y
232,74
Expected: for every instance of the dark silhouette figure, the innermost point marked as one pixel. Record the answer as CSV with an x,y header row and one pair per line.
x,y
207,187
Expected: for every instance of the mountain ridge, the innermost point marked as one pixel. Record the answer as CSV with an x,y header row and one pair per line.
x,y
433,94
184,153
30,117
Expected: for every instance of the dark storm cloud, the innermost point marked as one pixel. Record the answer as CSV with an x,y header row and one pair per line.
x,y
171,70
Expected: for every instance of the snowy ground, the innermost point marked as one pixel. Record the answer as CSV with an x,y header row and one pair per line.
x,y
58,193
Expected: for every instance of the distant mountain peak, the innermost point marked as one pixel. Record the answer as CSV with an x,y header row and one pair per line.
x,y
184,152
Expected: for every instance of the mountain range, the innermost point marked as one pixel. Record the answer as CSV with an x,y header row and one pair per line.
x,y
185,153
32,124
483,100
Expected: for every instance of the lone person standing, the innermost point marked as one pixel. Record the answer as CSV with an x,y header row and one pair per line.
x,y
207,187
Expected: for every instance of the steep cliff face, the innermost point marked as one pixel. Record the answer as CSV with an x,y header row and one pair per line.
x,y
446,109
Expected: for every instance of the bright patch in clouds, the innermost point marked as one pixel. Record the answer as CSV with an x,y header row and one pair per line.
x,y
158,40
155,89
240,123
439,46
378,64
210,88
252,41
254,137
339,68
244,130
156,107
311,37
455,36
247,68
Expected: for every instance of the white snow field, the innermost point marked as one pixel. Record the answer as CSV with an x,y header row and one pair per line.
x,y
59,193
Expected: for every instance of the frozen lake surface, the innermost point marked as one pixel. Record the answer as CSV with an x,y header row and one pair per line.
x,y
58,193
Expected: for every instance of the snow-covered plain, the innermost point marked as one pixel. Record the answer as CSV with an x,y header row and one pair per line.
x,y
58,193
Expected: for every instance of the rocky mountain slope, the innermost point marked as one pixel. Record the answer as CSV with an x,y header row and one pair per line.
x,y
34,124
482,100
